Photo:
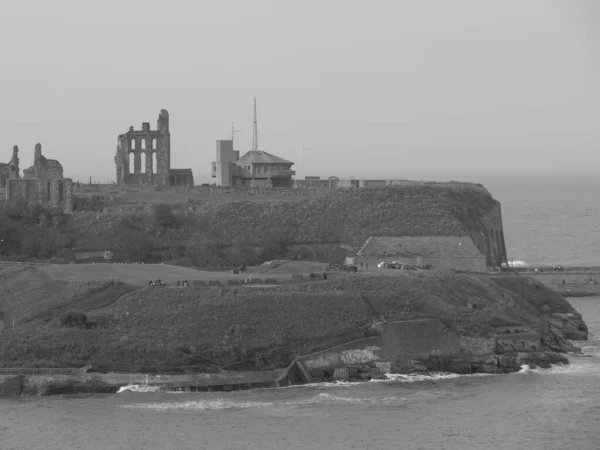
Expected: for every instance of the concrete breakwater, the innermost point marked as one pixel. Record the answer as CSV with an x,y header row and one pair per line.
x,y
581,282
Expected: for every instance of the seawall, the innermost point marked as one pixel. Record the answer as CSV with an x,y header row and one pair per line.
x,y
585,281
111,382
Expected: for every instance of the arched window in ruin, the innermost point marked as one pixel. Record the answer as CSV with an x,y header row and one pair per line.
x,y
49,192
143,160
154,162
143,144
154,144
61,189
132,144
131,162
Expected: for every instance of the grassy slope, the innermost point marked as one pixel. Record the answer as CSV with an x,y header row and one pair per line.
x,y
212,327
343,216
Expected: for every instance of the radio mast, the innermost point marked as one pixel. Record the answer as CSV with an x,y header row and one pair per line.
x,y
255,140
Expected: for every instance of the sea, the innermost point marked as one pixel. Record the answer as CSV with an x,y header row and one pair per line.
x,y
547,220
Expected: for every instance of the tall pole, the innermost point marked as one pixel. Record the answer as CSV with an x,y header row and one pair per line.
x,y
255,141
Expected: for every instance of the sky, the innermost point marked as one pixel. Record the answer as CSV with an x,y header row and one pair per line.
x,y
385,88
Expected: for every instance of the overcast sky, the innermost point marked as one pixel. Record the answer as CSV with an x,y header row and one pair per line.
x,y
378,88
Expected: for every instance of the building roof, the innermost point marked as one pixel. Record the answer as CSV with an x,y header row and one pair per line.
x,y
260,157
421,246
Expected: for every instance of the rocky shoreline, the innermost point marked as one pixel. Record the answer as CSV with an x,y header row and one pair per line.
x,y
96,383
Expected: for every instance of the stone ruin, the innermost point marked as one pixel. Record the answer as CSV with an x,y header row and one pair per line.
x,y
41,183
143,157
10,170
43,168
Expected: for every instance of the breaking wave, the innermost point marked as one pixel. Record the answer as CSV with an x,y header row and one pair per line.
x,y
140,388
230,405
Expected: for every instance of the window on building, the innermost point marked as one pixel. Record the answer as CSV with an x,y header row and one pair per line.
x,y
154,144
143,144
132,144
154,162
143,161
131,162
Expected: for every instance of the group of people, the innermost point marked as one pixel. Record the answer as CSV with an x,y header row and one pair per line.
x,y
241,269
160,282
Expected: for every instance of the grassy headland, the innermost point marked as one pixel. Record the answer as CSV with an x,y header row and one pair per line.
x,y
203,233
152,329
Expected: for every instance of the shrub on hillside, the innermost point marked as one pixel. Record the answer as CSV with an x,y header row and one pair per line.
x,y
165,217
275,249
73,318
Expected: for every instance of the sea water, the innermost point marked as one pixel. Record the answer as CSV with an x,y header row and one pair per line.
x,y
557,408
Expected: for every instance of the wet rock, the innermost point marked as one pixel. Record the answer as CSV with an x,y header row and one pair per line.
x,y
576,335
544,360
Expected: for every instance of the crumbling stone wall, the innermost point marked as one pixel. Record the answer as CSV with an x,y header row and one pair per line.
x,y
57,193
10,170
144,156
43,168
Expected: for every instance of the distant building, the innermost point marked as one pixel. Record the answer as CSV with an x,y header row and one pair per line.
x,y
255,168
442,252
181,177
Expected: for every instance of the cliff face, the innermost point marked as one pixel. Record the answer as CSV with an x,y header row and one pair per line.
x,y
345,217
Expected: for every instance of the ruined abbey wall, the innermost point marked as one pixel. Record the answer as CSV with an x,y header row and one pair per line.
x,y
144,156
56,193
43,168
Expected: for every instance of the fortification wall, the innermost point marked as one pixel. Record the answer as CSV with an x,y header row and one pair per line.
x,y
418,340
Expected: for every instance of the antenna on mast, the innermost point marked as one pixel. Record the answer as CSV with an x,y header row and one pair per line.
x,y
255,140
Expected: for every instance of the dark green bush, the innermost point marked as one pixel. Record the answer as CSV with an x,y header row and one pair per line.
x,y
73,318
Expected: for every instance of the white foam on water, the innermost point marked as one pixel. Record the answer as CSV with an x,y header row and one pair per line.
x,y
232,405
140,388
525,369
200,405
